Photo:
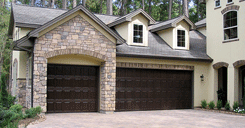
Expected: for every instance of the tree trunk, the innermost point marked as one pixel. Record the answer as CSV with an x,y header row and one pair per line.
x,y
101,6
179,7
43,3
150,7
143,4
64,4
74,3
32,2
109,7
49,3
170,9
125,7
197,10
185,8
52,3
84,3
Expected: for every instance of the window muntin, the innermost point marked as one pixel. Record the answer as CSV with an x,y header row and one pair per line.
x,y
181,38
229,1
138,33
217,3
230,25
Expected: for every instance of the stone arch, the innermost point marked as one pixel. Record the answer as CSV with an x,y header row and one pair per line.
x,y
239,63
75,51
230,8
220,64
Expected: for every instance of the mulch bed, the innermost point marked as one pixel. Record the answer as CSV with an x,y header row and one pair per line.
x,y
220,111
25,122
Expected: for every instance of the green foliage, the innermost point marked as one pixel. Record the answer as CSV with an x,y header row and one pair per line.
x,y
8,116
32,112
6,99
219,104
227,106
211,105
12,124
16,108
204,103
239,110
235,105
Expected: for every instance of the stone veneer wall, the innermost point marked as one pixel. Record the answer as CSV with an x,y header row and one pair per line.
x,y
76,36
21,92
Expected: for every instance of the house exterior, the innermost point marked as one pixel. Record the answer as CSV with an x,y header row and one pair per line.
x,y
77,61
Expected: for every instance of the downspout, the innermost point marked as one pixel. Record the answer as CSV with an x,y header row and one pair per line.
x,y
32,77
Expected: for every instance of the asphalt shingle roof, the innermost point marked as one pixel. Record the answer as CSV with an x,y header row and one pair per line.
x,y
157,46
201,23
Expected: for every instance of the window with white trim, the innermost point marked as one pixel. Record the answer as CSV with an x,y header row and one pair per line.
x,y
217,3
229,1
138,33
181,38
230,25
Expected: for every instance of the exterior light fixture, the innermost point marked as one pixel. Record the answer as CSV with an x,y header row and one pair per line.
x,y
202,77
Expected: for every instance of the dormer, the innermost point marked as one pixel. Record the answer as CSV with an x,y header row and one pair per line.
x,y
175,32
133,27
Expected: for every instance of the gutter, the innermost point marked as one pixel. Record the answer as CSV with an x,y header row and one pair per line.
x,y
164,57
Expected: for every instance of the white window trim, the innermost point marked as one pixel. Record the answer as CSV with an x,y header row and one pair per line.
x,y
142,33
186,36
230,27
145,34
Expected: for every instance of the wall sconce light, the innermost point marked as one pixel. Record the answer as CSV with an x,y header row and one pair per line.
x,y
202,77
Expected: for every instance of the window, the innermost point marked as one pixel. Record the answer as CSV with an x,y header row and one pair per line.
x,y
217,3
181,38
138,33
229,1
230,25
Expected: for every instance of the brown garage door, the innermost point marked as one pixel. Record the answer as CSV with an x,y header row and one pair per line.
x,y
72,88
147,89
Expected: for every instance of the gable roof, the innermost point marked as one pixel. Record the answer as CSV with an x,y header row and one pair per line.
x,y
129,17
170,24
201,23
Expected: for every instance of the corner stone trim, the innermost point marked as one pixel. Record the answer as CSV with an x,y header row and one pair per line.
x,y
233,7
75,51
220,64
239,63
154,66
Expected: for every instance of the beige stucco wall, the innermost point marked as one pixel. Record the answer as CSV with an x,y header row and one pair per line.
x,y
75,60
201,88
126,30
170,35
202,30
229,52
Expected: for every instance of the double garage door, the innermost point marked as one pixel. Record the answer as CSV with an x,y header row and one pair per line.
x,y
75,89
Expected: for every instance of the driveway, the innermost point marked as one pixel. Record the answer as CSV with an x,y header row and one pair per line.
x,y
139,119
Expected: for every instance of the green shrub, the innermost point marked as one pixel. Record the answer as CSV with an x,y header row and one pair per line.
x,y
204,103
219,104
12,124
32,112
227,106
16,108
7,116
235,105
211,105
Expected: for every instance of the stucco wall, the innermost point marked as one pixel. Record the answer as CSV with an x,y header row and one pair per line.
x,y
228,52
202,30
167,36
201,88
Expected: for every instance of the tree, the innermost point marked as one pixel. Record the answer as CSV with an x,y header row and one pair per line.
x,y
170,9
109,7
74,3
64,2
143,4
84,3
185,8
149,9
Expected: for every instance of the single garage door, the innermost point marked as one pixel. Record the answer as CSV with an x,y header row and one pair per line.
x,y
72,88
147,89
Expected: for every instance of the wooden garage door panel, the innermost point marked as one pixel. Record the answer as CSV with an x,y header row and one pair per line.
x,y
147,89
72,88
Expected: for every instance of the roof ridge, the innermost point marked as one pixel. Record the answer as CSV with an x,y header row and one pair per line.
x,y
107,15
40,7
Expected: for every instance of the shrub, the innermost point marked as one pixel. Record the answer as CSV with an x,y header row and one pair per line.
x,y
7,116
211,105
32,112
16,108
204,103
219,104
235,105
227,106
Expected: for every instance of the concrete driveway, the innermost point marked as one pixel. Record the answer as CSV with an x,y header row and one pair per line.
x,y
139,119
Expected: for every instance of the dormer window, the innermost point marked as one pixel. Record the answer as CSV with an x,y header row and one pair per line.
x,y
230,25
138,33
181,38
217,3
229,1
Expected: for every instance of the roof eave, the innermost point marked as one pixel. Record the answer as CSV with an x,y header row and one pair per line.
x,y
201,25
164,57
162,28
